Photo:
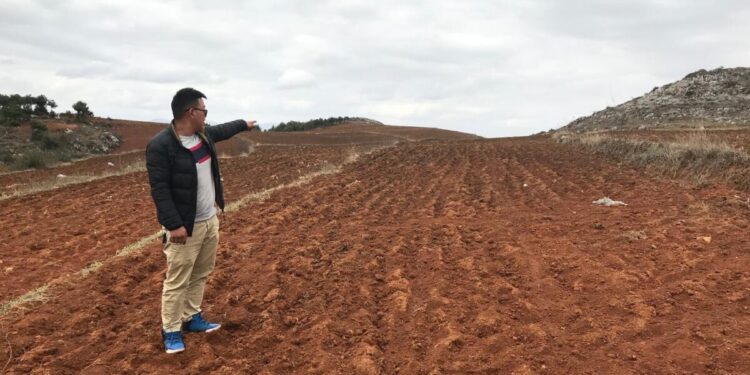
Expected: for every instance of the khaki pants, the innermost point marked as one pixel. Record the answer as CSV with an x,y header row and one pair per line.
x,y
188,267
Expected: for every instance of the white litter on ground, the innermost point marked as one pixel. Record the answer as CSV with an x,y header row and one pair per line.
x,y
61,176
606,201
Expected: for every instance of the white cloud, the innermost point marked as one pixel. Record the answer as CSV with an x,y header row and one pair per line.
x,y
295,78
299,104
491,67
402,108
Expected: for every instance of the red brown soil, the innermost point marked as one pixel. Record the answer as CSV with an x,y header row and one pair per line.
x,y
57,232
489,257
93,166
136,134
57,126
412,133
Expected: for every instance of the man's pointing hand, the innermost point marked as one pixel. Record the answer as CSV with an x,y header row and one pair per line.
x,y
250,124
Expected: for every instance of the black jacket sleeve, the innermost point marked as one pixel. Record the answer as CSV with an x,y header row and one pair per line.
x,y
221,132
159,177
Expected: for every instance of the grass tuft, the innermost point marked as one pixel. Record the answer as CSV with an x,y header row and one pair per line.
x,y
36,295
694,156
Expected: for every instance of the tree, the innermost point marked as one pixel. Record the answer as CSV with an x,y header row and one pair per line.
x,y
52,105
13,114
311,124
15,109
82,111
40,106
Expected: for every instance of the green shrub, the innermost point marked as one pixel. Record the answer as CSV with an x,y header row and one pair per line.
x,y
6,157
51,142
31,159
38,130
38,125
43,138
64,155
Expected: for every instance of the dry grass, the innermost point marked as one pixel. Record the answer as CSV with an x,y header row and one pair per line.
x,y
695,156
138,245
55,182
248,150
36,295
90,268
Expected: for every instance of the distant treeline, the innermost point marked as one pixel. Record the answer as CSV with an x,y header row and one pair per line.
x,y
16,109
293,126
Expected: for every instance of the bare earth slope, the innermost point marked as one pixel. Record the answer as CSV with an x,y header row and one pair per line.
x,y
481,256
136,134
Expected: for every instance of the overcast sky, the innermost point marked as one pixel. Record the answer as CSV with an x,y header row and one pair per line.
x,y
493,68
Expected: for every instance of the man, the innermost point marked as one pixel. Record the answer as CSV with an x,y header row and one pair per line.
x,y
183,172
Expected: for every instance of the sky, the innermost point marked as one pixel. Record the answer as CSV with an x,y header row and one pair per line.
x,y
494,68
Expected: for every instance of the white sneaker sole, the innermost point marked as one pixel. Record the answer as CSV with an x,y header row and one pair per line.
x,y
172,351
213,329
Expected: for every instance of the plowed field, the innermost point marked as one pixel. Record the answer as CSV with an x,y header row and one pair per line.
x,y
438,257
57,232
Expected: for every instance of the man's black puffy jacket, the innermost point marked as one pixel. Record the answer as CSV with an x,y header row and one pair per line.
x,y
174,178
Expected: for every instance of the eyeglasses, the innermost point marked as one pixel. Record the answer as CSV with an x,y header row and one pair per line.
x,y
205,111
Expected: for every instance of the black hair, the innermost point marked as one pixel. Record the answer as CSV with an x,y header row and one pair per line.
x,y
184,99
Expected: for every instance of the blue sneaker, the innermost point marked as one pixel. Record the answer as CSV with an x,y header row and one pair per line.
x,y
198,324
173,342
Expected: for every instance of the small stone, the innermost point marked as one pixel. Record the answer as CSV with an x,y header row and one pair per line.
x,y
272,294
290,321
598,226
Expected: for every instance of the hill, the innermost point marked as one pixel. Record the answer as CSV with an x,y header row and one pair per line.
x,y
716,98
134,136
44,142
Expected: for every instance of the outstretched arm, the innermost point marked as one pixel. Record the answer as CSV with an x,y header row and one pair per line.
x,y
221,132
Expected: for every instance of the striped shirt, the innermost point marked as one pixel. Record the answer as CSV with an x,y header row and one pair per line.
x,y
204,208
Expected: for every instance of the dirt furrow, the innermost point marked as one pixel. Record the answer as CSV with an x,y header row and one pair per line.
x,y
50,234
434,258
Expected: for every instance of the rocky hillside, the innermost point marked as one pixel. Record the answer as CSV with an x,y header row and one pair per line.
x,y
45,142
716,98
